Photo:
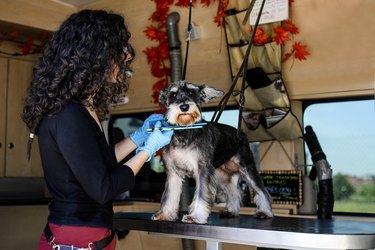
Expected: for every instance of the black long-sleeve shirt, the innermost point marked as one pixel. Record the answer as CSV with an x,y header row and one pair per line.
x,y
80,169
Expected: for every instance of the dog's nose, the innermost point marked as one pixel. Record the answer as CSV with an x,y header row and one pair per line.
x,y
184,107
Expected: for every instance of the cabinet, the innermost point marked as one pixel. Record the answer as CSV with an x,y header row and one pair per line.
x,y
15,77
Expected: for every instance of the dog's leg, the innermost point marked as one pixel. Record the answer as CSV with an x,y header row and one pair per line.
x,y
233,197
228,182
250,175
170,199
262,198
203,200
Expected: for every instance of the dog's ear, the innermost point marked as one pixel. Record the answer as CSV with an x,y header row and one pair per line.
x,y
207,93
163,97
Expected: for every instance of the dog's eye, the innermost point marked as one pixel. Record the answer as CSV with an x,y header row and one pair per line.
x,y
173,94
190,93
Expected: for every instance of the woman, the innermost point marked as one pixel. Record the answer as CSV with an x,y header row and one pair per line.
x,y
83,70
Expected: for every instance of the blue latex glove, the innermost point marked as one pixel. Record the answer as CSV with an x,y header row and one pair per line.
x,y
156,141
140,135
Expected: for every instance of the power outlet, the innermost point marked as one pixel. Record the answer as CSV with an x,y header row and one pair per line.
x,y
195,33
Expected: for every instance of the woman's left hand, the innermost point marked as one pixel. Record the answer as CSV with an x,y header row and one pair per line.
x,y
140,135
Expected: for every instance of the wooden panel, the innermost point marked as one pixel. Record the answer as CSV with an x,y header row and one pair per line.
x,y
20,73
207,61
3,89
22,226
340,37
41,14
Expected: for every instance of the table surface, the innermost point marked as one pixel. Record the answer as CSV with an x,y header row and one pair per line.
x,y
287,232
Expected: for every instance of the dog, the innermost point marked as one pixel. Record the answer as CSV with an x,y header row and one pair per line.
x,y
216,156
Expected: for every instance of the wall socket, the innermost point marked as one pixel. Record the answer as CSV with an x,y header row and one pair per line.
x,y
195,33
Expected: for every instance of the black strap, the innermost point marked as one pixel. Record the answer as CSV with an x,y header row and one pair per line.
x,y
97,245
100,244
187,41
48,233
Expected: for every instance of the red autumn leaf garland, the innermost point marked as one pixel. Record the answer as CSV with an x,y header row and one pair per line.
x,y
299,52
282,34
260,37
220,14
291,27
27,47
158,55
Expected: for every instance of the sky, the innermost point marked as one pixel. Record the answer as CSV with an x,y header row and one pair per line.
x,y
346,133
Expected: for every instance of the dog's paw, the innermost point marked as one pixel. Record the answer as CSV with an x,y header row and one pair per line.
x,y
187,218
263,215
227,214
163,217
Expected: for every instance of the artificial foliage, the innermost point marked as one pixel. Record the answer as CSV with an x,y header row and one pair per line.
x,y
158,55
31,45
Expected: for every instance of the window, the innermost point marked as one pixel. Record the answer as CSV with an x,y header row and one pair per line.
x,y
346,133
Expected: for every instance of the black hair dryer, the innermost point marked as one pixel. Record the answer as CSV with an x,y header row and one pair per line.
x,y
323,171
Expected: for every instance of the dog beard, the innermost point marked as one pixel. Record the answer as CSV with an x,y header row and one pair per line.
x,y
176,117
187,119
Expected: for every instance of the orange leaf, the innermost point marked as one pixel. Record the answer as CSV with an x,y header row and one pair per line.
x,y
163,50
219,18
157,87
289,26
206,3
151,32
300,51
161,13
157,69
13,34
152,54
27,46
281,35
184,3
260,37
287,56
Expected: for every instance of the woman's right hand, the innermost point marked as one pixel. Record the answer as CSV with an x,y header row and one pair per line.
x,y
156,140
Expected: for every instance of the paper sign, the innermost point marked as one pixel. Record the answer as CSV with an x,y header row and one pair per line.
x,y
273,11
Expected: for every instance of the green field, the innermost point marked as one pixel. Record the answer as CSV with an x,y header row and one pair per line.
x,y
354,204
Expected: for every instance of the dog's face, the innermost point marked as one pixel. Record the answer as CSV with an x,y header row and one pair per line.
x,y
183,101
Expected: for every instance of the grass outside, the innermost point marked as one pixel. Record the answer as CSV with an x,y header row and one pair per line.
x,y
355,204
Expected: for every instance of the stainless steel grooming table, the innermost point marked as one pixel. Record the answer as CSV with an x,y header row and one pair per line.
x,y
278,232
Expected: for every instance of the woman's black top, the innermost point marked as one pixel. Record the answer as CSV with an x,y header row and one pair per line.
x,y
80,168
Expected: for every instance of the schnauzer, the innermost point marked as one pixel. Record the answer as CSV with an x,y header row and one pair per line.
x,y
214,155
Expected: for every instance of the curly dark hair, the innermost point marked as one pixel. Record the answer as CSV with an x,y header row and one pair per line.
x,y
86,59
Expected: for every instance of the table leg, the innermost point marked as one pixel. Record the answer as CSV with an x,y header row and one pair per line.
x,y
213,245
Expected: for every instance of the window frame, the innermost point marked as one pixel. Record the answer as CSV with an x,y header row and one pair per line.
x,y
308,102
